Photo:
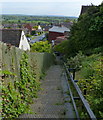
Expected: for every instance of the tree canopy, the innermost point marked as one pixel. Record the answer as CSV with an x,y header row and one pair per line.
x,y
87,33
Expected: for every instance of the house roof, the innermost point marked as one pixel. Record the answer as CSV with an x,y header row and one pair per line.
x,y
28,26
39,27
67,24
61,37
60,29
84,9
11,36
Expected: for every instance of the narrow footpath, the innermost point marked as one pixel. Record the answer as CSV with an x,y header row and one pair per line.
x,y
53,100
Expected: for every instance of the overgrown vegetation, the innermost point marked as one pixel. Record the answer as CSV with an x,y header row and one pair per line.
x,y
90,76
76,62
17,95
62,47
42,46
87,33
87,37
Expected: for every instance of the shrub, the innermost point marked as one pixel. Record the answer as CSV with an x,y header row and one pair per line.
x,y
62,47
76,62
27,35
42,46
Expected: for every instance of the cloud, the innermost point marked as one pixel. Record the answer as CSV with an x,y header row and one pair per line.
x,y
37,8
70,1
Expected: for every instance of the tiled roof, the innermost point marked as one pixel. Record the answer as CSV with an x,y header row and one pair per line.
x,y
60,29
84,9
28,26
67,24
11,36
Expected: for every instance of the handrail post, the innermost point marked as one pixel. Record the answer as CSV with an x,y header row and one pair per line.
x,y
73,73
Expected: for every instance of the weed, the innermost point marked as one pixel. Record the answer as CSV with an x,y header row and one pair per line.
x,y
59,103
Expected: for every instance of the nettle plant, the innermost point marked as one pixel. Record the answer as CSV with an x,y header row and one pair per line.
x,y
17,96
92,82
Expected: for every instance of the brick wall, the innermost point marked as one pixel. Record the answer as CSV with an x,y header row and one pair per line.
x,y
54,35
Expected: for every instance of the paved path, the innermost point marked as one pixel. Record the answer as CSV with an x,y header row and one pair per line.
x,y
51,101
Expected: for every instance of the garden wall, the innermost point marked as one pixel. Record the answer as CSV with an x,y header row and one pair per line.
x,y
10,57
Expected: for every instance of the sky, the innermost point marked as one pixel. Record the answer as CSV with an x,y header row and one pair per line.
x,y
45,7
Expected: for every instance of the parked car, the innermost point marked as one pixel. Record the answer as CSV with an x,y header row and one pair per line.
x,y
36,34
32,41
29,39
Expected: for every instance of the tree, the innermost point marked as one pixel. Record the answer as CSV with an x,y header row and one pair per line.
x,y
87,33
19,21
35,27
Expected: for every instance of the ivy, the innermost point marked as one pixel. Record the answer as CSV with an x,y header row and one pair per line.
x,y
7,73
27,85
13,104
17,96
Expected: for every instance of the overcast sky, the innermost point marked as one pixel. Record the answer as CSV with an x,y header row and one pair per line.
x,y
45,7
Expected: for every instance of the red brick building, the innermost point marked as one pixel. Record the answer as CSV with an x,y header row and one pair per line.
x,y
57,31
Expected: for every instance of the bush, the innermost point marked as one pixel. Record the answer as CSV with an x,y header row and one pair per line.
x,y
76,62
42,46
62,47
27,35
33,32
98,50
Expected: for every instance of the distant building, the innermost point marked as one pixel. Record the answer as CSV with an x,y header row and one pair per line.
x,y
27,28
12,26
46,27
15,37
67,24
39,29
57,31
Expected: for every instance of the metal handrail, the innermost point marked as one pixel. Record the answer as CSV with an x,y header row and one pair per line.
x,y
84,101
74,104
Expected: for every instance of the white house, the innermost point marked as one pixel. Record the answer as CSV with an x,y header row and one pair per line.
x,y
15,37
39,29
24,42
